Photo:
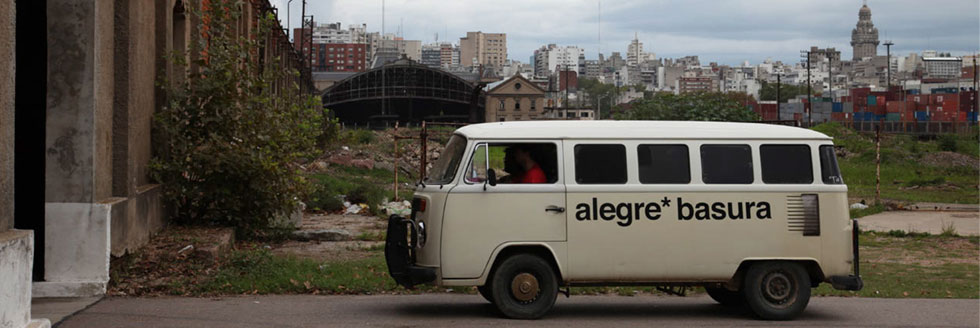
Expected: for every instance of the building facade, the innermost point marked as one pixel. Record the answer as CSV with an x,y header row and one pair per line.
x,y
942,67
340,57
83,133
515,99
864,37
478,48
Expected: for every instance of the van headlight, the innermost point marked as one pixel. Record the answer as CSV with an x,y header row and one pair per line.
x,y
421,234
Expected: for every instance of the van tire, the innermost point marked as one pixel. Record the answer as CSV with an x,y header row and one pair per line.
x,y
524,286
486,291
777,290
726,297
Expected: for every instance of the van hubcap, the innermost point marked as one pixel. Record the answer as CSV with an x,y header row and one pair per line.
x,y
525,287
777,288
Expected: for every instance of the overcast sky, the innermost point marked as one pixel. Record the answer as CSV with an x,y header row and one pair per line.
x,y
723,31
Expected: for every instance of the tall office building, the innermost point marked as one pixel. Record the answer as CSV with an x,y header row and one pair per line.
x,y
478,48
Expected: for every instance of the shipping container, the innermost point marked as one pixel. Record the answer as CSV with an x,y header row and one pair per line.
x,y
921,116
838,107
848,107
893,117
872,100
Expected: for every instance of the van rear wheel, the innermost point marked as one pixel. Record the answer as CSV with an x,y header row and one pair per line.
x,y
777,290
725,297
524,287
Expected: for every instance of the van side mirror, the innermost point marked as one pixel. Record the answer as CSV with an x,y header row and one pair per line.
x,y
492,177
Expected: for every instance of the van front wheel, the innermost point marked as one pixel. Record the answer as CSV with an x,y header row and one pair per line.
x,y
777,290
524,287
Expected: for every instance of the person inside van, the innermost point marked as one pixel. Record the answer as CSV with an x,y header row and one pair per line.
x,y
532,172
513,169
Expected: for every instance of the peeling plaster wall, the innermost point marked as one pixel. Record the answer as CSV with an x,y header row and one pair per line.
x,y
79,119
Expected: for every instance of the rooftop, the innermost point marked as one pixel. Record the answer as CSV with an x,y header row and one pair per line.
x,y
637,130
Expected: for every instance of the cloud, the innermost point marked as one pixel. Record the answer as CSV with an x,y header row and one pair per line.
x,y
726,31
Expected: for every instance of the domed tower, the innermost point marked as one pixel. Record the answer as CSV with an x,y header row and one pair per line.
x,y
864,37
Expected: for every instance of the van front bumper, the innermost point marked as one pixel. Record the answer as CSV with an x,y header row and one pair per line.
x,y
400,244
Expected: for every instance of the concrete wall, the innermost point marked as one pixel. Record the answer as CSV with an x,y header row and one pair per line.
x,y
7,37
16,254
79,116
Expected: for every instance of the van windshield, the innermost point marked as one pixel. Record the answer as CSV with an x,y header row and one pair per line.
x,y
444,170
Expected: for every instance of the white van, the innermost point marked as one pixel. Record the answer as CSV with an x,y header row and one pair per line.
x,y
755,213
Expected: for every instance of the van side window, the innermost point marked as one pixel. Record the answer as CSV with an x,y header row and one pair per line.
x,y
726,164
663,164
786,164
600,164
829,171
514,163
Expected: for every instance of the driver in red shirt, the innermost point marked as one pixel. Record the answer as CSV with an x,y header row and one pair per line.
x,y
532,172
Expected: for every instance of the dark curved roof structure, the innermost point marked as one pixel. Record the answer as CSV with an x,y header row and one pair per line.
x,y
405,91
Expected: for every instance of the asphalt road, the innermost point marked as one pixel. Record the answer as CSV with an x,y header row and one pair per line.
x,y
454,310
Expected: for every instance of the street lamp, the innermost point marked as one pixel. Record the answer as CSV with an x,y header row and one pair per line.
x,y
288,32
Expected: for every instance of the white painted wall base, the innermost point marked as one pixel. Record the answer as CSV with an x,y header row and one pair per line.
x,y
16,261
42,289
76,249
39,323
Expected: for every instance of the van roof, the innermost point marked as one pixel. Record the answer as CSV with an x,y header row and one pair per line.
x,y
636,130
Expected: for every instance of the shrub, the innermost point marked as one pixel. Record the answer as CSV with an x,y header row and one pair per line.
x,y
367,194
324,198
230,135
947,142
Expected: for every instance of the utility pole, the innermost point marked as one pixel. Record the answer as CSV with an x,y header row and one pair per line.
x,y
809,101
566,89
888,49
830,76
778,86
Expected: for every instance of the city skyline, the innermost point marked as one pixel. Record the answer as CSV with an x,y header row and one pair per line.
x,y
723,32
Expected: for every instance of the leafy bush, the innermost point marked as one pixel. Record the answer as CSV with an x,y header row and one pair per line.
x,y
367,194
324,198
700,106
230,135
947,142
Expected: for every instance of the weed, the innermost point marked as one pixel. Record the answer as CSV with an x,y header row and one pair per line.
x,y
948,230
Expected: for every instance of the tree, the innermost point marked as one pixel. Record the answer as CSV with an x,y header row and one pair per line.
x,y
598,91
702,106
230,137
786,91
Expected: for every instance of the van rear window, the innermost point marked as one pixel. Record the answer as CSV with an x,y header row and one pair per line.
x,y
726,164
786,164
663,164
829,171
600,164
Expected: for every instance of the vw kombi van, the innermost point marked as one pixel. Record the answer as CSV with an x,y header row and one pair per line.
x,y
756,214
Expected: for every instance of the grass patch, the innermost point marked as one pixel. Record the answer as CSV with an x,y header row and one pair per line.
x,y
893,265
899,264
901,168
872,209
257,271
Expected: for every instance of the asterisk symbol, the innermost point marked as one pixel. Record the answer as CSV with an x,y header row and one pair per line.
x,y
665,202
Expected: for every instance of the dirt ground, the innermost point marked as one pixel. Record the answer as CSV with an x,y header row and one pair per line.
x,y
933,222
928,252
367,232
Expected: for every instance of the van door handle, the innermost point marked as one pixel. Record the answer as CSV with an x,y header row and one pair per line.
x,y
556,209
